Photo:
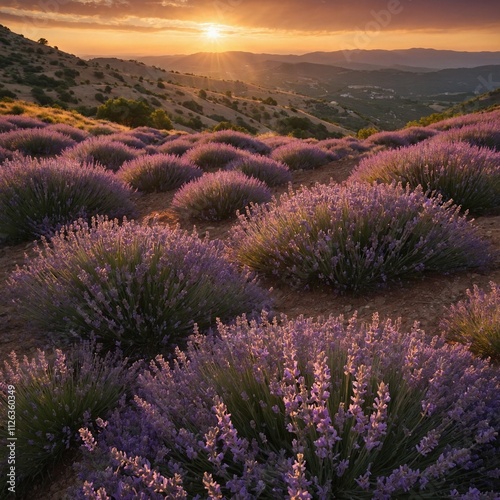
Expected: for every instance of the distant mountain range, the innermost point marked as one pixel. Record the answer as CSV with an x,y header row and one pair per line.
x,y
408,60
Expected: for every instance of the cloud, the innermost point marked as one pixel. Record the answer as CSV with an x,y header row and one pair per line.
x,y
287,15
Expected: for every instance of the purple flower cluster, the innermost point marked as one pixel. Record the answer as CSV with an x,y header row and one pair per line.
x,y
267,170
176,147
355,236
468,175
36,142
483,134
298,155
141,288
55,395
213,156
102,150
76,134
158,173
470,119
476,322
24,121
238,140
305,409
37,197
389,139
219,195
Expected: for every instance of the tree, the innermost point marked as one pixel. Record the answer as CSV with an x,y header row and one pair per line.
x,y
126,111
160,120
43,41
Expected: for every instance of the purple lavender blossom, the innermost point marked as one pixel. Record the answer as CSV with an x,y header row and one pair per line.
x,y
238,140
271,172
355,236
261,393
37,197
158,173
213,156
219,195
36,142
137,287
298,155
468,175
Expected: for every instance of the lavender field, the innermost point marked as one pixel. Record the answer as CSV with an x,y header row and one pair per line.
x,y
220,315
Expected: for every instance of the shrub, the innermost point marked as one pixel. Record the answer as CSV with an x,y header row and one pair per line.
x,y
464,120
147,135
468,175
414,135
127,139
476,322
158,173
218,195
127,112
36,142
271,172
485,134
52,397
102,150
211,157
355,236
299,156
25,121
141,287
304,409
38,197
177,147
76,134
238,140
389,139
6,125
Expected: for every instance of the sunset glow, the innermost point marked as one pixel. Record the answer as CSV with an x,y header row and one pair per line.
x,y
115,27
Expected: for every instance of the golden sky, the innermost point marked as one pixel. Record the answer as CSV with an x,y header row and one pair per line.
x,y
154,27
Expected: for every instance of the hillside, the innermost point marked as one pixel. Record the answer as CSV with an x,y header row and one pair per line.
x,y
39,73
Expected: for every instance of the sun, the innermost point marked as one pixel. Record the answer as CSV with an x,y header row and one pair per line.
x,y
212,33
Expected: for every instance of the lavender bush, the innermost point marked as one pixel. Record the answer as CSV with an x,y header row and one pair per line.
x,y
36,142
355,236
213,156
103,150
267,170
464,120
304,409
25,121
300,156
37,197
177,147
6,125
128,139
54,396
389,139
468,175
484,134
414,135
158,173
76,134
238,140
476,322
141,288
218,195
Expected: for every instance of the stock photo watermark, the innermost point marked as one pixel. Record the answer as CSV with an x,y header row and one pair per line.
x,y
11,438
379,20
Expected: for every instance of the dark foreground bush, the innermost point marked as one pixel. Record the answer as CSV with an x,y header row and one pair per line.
x,y
476,322
38,197
158,173
355,236
142,288
218,195
468,175
301,410
52,397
